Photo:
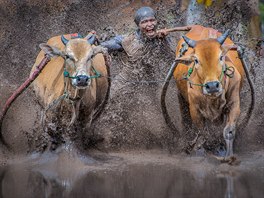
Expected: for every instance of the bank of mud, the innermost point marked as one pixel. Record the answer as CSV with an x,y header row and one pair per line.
x,y
26,24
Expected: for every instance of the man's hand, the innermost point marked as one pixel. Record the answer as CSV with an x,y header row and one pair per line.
x,y
162,33
92,37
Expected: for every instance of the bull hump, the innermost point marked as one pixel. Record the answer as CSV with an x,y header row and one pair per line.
x,y
201,33
212,33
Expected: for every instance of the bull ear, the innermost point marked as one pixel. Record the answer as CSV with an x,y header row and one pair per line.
x,y
51,51
188,59
226,48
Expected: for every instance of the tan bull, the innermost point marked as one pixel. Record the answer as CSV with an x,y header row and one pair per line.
x,y
209,76
77,73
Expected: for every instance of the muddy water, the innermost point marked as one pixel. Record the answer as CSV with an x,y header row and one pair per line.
x,y
116,175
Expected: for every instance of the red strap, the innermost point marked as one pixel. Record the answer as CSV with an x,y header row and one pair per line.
x,y
74,35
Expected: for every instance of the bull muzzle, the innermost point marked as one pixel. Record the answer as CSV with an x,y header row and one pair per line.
x,y
212,87
81,81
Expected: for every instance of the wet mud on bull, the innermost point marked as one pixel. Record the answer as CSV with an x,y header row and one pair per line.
x,y
74,84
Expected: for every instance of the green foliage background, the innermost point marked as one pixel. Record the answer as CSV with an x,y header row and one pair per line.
x,y
261,8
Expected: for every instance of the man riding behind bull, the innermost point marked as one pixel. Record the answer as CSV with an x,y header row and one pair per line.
x,y
138,46
146,21
133,115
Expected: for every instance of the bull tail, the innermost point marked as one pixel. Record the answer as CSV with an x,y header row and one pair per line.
x,y
252,104
163,97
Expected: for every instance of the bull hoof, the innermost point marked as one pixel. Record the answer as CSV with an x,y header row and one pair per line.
x,y
232,161
220,151
200,152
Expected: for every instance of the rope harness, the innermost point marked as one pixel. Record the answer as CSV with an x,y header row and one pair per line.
x,y
226,71
66,95
67,74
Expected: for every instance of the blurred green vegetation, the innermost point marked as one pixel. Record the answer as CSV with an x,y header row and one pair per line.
x,y
261,8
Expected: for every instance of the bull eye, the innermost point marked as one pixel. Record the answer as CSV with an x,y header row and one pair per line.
x,y
67,56
221,58
196,61
70,62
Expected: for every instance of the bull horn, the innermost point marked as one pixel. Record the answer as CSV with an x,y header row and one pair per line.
x,y
64,40
190,42
223,37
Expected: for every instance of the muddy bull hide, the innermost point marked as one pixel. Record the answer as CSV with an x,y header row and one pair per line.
x,y
209,77
76,73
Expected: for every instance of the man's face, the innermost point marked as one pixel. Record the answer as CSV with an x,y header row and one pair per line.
x,y
148,26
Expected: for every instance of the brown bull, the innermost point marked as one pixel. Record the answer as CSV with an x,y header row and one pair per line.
x,y
209,77
76,72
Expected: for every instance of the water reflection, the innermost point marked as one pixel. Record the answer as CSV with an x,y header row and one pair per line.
x,y
100,179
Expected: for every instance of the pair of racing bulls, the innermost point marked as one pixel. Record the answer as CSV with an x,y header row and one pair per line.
x,y
78,70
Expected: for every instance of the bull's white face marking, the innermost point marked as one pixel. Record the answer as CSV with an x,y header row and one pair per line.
x,y
78,62
82,77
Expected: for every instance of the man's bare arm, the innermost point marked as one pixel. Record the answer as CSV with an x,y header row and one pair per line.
x,y
165,32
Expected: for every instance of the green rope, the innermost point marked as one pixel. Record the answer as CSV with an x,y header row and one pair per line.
x,y
225,71
187,77
97,74
231,70
222,74
67,74
190,71
201,85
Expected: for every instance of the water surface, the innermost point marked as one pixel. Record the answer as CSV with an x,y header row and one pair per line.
x,y
129,176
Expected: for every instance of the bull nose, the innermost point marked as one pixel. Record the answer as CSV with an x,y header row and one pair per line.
x,y
212,87
82,80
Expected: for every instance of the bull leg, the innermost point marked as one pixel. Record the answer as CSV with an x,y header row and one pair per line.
x,y
198,120
90,116
185,114
89,121
196,116
230,128
229,136
75,112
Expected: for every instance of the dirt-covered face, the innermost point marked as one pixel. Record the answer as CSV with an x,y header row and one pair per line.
x,y
148,27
